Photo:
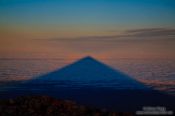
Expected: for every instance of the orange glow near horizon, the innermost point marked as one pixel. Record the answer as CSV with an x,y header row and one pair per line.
x,y
71,49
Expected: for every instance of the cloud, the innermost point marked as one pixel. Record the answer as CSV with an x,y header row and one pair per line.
x,y
152,32
128,35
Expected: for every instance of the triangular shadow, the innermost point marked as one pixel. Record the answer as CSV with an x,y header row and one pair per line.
x,y
89,72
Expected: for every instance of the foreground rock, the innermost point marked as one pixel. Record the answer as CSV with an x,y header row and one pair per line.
x,y
47,106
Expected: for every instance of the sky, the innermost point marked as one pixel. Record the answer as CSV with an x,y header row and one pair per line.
x,y
77,28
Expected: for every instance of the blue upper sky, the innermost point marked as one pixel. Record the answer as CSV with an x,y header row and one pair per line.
x,y
96,13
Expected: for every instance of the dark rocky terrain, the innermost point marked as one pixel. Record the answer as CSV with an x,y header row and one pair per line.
x,y
48,106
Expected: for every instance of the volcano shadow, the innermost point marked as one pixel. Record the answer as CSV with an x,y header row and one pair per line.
x,y
93,83
88,72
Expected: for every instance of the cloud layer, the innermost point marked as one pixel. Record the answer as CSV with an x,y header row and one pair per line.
x,y
141,34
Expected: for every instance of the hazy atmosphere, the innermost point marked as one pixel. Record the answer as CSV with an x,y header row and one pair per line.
x,y
100,28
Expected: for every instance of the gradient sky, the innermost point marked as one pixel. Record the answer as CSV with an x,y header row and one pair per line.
x,y
77,28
